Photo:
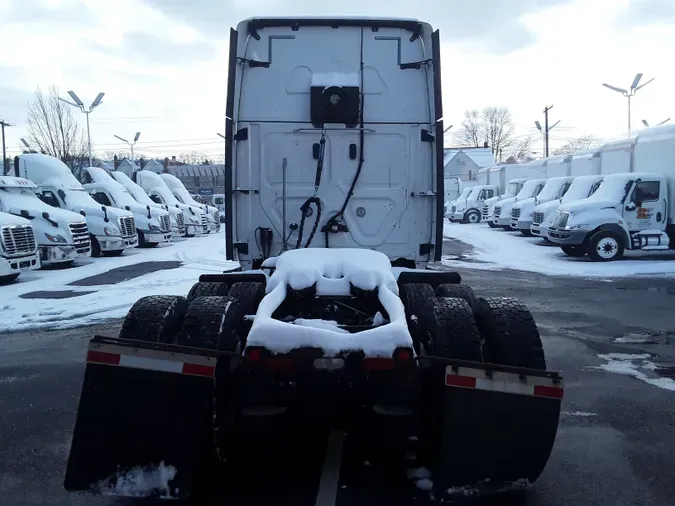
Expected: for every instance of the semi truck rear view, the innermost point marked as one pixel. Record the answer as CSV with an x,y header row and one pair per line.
x,y
334,209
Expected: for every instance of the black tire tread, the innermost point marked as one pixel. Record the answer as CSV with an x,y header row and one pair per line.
x,y
413,296
207,289
155,318
209,323
452,329
459,291
249,294
510,332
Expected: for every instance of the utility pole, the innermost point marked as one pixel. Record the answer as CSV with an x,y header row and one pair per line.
x,y
4,150
546,129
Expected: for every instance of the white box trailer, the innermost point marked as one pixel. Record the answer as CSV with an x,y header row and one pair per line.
x,y
61,235
18,249
586,163
617,156
509,179
556,166
632,210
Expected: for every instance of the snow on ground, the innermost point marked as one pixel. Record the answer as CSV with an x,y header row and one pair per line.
x,y
199,255
634,365
496,249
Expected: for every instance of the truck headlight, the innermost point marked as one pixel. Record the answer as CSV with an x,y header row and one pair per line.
x,y
112,231
580,226
56,238
152,226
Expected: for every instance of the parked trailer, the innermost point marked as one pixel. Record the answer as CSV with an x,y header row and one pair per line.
x,y
412,352
617,156
61,235
152,228
111,230
18,249
631,210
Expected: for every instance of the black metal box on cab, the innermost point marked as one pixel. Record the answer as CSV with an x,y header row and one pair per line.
x,y
334,104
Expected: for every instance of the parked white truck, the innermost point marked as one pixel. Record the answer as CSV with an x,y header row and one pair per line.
x,y
111,230
468,209
139,195
18,249
502,210
196,222
630,210
61,235
183,196
617,156
581,188
522,212
152,226
509,179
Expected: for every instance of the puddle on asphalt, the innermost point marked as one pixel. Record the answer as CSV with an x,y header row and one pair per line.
x,y
662,338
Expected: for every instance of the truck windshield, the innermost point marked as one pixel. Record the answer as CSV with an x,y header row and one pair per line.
x,y
140,196
579,190
614,189
528,190
464,194
79,198
551,190
512,189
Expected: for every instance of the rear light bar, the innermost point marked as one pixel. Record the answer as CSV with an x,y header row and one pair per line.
x,y
401,357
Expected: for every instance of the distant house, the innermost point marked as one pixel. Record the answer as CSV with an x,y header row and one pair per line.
x,y
465,162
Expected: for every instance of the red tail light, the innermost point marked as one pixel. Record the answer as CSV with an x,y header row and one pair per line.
x,y
254,354
377,364
403,355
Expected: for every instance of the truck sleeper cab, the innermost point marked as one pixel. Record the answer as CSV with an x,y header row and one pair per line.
x,y
183,196
61,235
581,188
469,209
18,249
153,228
629,211
111,230
522,212
139,195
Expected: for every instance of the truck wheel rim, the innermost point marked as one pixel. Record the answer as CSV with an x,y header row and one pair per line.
x,y
607,247
473,218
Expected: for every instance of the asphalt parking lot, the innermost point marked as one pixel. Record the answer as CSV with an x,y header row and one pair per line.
x,y
614,443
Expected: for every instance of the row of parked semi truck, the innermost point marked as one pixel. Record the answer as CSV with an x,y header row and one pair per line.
x,y
598,203
48,216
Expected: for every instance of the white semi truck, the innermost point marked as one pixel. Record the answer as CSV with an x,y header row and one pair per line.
x,y
509,179
225,372
139,195
61,235
152,225
581,188
196,222
111,230
502,210
522,212
18,249
631,210
183,196
468,210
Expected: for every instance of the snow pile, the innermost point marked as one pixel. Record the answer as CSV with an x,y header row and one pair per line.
x,y
320,324
496,249
198,255
332,271
630,365
139,482
422,478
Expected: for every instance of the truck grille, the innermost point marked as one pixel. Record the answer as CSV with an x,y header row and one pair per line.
x,y
18,240
216,216
127,226
486,211
80,234
453,209
164,223
537,218
180,219
561,219
498,211
205,223
515,213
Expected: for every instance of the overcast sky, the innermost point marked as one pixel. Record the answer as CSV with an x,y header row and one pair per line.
x,y
162,63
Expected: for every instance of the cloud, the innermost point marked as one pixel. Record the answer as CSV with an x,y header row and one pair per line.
x,y
67,12
149,49
647,12
458,20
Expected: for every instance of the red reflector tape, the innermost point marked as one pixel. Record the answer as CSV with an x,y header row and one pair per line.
x,y
453,380
198,370
378,364
101,357
544,391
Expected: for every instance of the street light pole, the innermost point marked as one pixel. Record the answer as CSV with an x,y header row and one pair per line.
x,y
5,167
79,104
131,144
644,122
629,93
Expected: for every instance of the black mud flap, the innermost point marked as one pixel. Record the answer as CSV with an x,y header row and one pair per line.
x,y
142,421
498,426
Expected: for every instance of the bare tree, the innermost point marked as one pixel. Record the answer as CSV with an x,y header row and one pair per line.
x,y
471,131
583,143
520,150
193,158
494,127
53,130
